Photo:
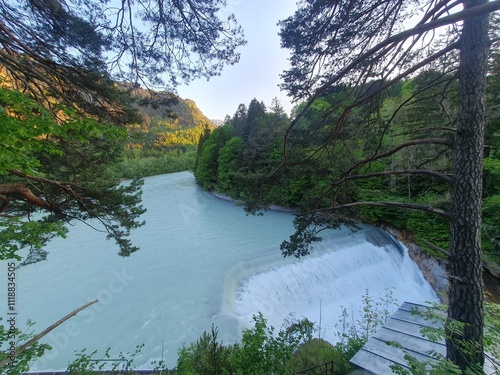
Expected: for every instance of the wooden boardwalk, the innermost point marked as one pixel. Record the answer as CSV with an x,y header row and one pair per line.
x,y
403,328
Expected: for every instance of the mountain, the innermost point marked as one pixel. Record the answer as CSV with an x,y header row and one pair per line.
x,y
169,122
218,122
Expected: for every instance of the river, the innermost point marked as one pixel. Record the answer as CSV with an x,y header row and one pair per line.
x,y
202,261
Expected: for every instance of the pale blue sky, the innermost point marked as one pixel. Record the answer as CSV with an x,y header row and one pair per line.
x,y
257,73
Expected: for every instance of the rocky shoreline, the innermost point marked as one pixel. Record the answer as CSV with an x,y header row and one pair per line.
x,y
434,270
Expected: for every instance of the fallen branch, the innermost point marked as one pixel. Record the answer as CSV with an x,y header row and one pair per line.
x,y
46,331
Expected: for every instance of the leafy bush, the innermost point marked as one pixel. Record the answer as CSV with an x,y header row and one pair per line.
x,y
17,363
317,352
261,351
206,356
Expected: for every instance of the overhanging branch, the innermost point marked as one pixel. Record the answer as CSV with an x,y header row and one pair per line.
x,y
46,331
410,206
24,193
419,29
66,187
425,172
414,142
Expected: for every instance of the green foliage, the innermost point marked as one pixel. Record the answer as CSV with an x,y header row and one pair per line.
x,y
264,352
55,168
317,352
261,351
353,333
207,164
21,140
10,337
16,234
30,133
491,170
429,229
238,157
88,364
167,162
229,161
206,356
491,225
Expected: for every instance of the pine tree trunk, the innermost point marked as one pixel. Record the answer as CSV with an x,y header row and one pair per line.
x,y
465,265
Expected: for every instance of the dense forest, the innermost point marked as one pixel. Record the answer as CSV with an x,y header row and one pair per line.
x,y
244,159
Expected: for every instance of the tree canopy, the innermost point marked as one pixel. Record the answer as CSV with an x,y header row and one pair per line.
x,y
66,72
76,47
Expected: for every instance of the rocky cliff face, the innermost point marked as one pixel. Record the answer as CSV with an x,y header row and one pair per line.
x,y
434,270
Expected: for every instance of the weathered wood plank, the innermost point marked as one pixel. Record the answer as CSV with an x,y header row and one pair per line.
x,y
416,319
410,342
372,363
404,326
391,352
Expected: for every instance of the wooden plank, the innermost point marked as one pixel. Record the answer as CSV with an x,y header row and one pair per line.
x,y
416,344
416,319
391,352
404,326
376,356
371,362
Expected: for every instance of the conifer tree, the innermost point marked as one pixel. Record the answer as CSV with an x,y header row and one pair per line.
x,y
368,46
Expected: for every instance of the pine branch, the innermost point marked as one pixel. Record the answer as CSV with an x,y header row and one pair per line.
x,y
23,192
410,206
66,187
441,176
393,40
414,142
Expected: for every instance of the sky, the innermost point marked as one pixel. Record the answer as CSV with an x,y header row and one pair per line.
x,y
257,74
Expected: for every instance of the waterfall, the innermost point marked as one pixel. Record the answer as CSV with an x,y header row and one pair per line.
x,y
337,274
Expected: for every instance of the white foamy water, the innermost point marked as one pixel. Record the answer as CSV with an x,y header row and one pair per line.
x,y
202,261
337,277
